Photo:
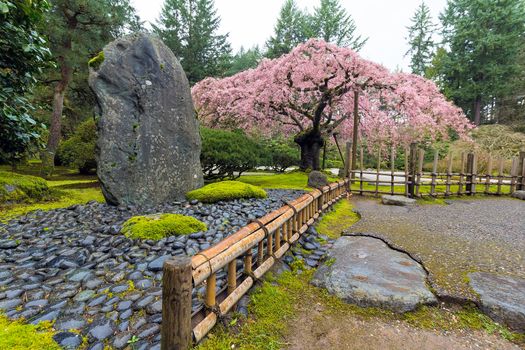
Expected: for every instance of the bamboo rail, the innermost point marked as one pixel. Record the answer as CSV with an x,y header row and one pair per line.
x,y
271,236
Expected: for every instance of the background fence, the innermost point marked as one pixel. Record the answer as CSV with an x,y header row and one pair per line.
x,y
411,177
244,256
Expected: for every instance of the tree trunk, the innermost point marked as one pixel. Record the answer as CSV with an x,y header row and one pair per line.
x,y
58,107
477,111
311,142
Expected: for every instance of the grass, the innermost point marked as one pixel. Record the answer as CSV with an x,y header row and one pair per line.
x,y
340,218
226,190
159,226
19,336
293,180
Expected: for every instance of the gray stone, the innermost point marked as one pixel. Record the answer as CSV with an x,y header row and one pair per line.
x,y
502,298
68,340
156,265
366,272
149,142
317,179
9,304
102,330
519,194
397,200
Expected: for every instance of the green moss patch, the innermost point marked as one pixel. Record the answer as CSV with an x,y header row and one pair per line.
x,y
19,336
16,188
295,180
341,217
226,190
96,61
158,226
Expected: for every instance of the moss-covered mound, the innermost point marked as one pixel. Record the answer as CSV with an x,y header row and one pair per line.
x,y
19,336
158,226
16,188
226,190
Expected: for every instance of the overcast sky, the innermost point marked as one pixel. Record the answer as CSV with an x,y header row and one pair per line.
x,y
251,22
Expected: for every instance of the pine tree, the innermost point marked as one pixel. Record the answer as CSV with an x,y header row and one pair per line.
x,y
189,28
243,60
420,40
78,29
483,39
291,30
333,24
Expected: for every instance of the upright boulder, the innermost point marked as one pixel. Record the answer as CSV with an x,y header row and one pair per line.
x,y
149,145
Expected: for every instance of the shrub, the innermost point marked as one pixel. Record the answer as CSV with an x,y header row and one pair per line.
x,y
280,154
22,188
334,163
226,190
79,150
227,154
158,226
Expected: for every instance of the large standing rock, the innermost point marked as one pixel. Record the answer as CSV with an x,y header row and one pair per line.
x,y
149,144
502,298
366,272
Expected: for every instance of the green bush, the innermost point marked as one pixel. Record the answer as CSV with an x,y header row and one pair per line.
x,y
158,226
226,190
22,188
280,154
334,163
227,154
79,150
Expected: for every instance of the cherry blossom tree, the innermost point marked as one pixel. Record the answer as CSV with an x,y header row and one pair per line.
x,y
309,93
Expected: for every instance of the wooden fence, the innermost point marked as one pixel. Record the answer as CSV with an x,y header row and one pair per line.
x,y
259,244
413,181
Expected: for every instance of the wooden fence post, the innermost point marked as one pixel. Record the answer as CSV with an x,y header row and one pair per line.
x,y
176,304
348,163
521,170
470,186
412,170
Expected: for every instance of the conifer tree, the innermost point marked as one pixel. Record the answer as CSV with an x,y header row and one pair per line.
x,y
420,40
291,30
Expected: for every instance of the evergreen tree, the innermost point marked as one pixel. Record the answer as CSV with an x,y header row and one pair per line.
x,y
420,40
78,29
23,53
333,24
243,60
189,28
292,28
484,39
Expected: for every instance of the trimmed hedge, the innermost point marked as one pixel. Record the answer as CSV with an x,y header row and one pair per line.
x,y
226,190
158,226
22,188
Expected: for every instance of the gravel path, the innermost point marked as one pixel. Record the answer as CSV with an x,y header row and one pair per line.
x,y
452,240
73,266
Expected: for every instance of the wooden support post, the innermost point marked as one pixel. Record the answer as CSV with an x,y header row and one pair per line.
x,y
348,163
285,232
500,175
277,239
412,169
392,169
378,169
361,172
407,152
470,174
232,276
521,169
260,253
461,174
269,245
489,174
421,157
434,173
176,331
513,174
248,263
355,131
449,174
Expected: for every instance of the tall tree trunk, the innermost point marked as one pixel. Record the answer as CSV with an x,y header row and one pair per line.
x,y
58,107
311,143
477,111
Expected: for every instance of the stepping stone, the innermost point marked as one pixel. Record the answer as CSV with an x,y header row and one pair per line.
x,y
519,195
502,298
397,200
366,272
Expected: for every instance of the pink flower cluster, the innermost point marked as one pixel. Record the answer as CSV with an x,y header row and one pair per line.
x,y
313,87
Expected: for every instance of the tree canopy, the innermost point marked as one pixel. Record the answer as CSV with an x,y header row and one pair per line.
x,y
310,93
420,40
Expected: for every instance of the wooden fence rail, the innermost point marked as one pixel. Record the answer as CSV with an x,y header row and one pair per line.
x,y
258,245
413,181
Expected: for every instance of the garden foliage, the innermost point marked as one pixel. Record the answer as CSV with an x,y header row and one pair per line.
x,y
226,190
158,226
79,150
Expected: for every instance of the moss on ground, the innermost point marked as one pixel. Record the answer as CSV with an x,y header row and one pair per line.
x,y
18,188
295,180
225,190
19,336
340,218
158,226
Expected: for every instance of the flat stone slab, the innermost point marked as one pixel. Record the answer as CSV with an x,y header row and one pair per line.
x,y
397,200
502,298
365,271
519,195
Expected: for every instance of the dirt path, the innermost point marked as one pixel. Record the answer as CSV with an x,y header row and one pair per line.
x,y
315,329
